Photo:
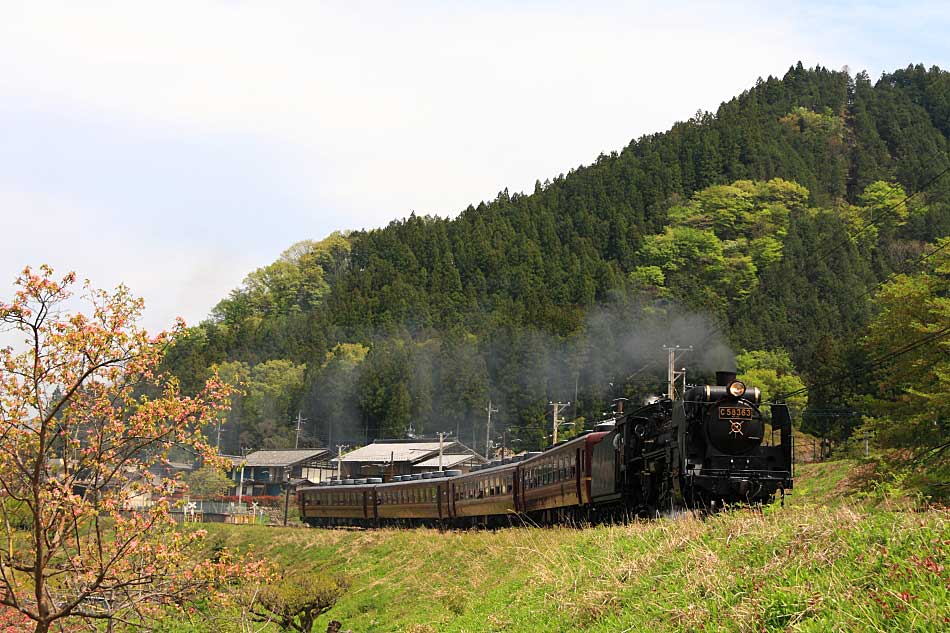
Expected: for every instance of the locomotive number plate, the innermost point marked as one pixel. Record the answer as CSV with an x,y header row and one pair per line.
x,y
733,413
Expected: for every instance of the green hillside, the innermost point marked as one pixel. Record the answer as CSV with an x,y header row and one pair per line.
x,y
764,229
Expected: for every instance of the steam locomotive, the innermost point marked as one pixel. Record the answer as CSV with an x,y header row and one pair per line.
x,y
713,447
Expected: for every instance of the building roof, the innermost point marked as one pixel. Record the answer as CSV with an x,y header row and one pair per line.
x,y
386,451
447,461
281,458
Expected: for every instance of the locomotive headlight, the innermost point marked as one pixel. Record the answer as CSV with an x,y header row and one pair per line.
x,y
736,389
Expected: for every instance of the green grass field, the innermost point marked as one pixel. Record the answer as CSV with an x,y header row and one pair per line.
x,y
824,562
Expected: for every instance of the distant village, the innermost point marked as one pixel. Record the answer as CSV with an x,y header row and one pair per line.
x,y
263,481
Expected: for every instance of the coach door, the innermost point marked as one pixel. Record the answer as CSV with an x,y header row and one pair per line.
x,y
578,470
517,488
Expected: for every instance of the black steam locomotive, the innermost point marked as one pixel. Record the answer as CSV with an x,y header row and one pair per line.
x,y
707,449
711,448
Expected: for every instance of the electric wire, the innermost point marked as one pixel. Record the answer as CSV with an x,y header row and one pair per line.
x,y
872,365
880,217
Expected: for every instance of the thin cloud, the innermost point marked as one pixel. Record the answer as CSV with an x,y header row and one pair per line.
x,y
347,115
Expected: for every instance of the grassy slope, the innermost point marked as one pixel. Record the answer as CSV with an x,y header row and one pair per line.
x,y
818,564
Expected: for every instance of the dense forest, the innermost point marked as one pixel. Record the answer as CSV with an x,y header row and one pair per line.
x,y
799,232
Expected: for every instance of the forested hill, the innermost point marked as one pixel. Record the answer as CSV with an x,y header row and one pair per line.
x,y
764,227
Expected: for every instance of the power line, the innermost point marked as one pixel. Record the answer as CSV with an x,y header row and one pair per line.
x,y
873,364
885,212
880,217
719,326
906,269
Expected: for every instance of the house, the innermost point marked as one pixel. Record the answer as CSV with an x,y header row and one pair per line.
x,y
388,458
264,472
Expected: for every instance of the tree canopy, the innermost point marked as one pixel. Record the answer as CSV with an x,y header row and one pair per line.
x,y
766,225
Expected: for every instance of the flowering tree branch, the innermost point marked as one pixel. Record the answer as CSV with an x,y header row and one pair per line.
x,y
86,422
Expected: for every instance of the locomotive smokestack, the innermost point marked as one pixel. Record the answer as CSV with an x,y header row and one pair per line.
x,y
723,378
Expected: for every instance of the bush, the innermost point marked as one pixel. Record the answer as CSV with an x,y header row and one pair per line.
x,y
295,602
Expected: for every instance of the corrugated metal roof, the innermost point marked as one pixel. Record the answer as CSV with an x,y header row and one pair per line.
x,y
282,458
397,451
447,460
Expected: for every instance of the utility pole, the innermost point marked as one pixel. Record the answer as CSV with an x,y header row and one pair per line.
x,y
488,430
339,461
241,480
300,421
286,493
557,407
441,447
672,354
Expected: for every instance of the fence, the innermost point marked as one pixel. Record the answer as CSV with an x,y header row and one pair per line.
x,y
201,511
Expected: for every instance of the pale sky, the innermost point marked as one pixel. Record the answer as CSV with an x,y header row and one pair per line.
x,y
177,146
